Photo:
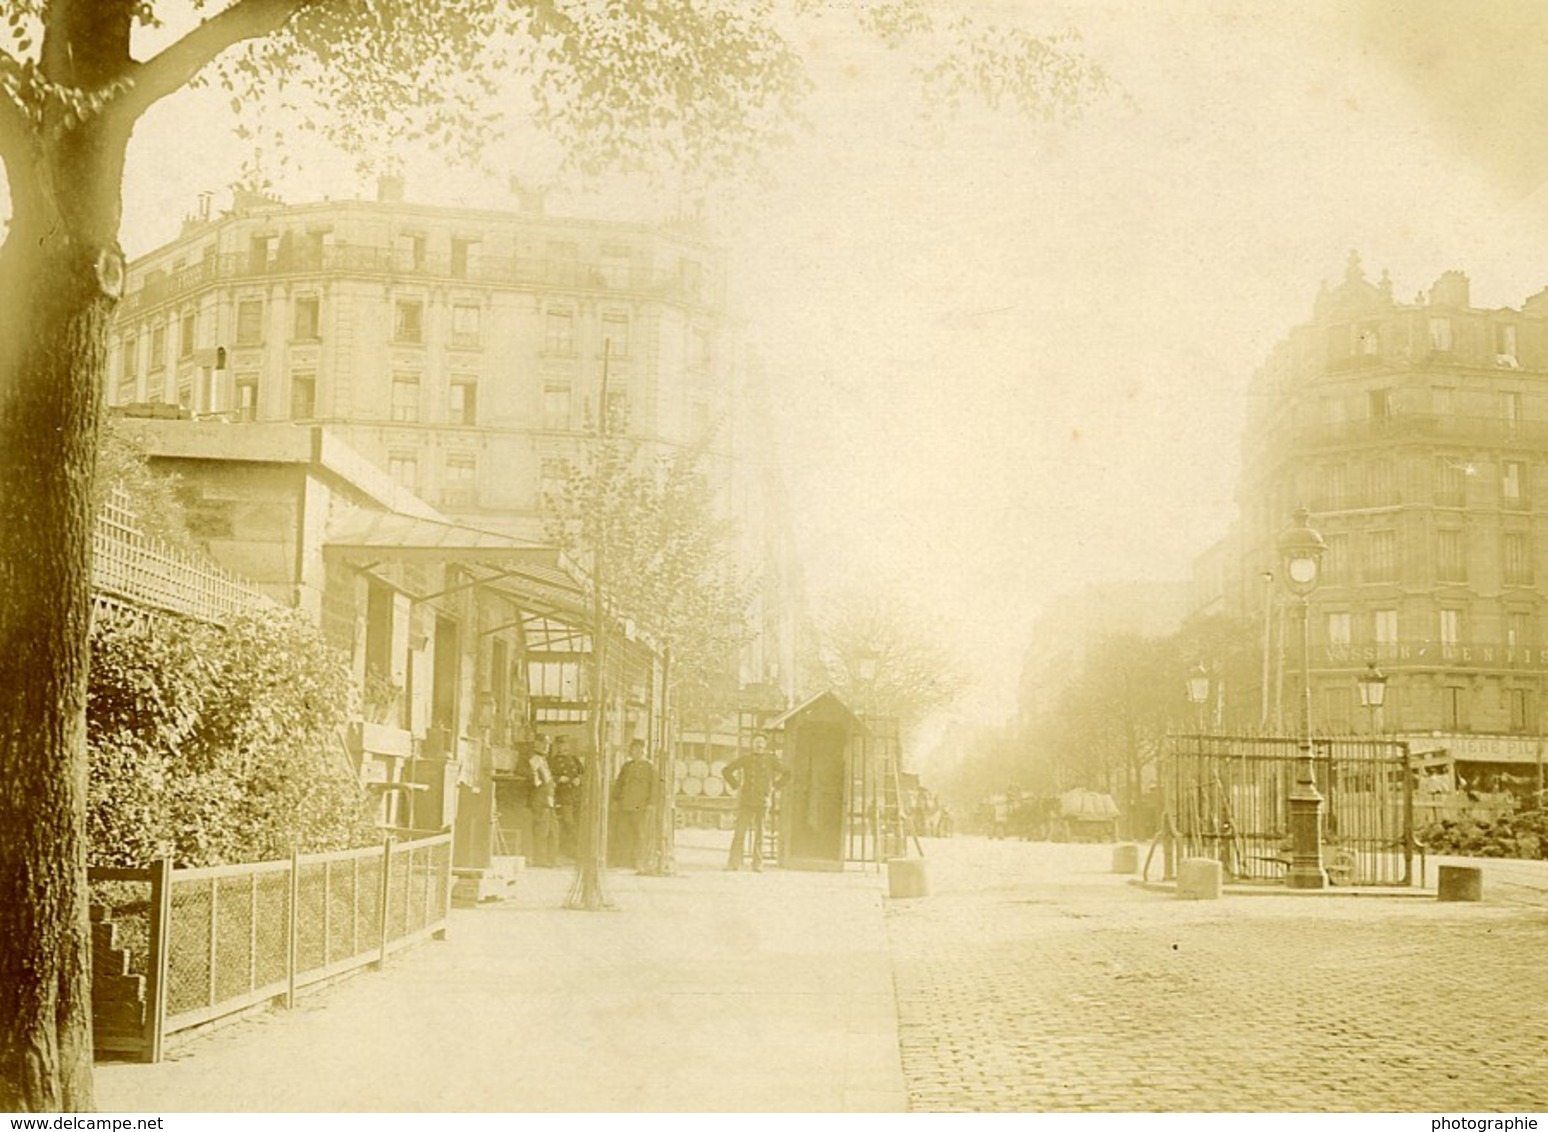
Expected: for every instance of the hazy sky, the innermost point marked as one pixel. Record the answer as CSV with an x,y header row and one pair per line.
x,y
1009,361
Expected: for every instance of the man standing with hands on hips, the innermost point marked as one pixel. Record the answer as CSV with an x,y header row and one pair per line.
x,y
755,776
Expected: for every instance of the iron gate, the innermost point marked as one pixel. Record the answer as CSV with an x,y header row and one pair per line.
x,y
1228,797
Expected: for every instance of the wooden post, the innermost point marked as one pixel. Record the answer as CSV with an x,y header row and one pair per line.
x,y
214,936
327,910
1408,818
252,931
159,959
291,918
386,891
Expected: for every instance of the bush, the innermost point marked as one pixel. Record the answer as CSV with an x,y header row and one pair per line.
x,y
1521,835
216,746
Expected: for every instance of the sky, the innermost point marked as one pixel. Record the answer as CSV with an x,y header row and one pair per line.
x,y
1009,360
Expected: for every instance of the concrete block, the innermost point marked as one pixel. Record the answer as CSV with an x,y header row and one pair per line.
x,y
1198,878
1126,859
906,878
1460,882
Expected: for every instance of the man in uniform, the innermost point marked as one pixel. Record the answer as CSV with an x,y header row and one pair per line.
x,y
755,776
634,799
567,768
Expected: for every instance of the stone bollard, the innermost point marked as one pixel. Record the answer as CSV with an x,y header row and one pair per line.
x,y
1126,859
1198,878
906,878
1460,882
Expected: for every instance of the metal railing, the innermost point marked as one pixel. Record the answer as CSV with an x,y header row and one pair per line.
x,y
1229,798
350,259
174,949
131,568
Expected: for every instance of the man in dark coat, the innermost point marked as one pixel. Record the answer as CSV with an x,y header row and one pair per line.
x,y
567,768
755,776
634,800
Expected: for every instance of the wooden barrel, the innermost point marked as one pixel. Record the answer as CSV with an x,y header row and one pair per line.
x,y
698,768
693,787
714,787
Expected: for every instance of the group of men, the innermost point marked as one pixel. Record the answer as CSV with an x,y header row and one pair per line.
x,y
549,790
549,795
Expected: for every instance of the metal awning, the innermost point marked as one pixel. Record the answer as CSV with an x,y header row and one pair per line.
x,y
536,577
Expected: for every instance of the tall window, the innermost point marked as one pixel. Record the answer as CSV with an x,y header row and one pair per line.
x,y
1450,482
1379,403
1518,558
1335,563
308,317
559,336
409,251
403,467
465,324
303,395
158,358
563,259
459,486
463,254
615,333
246,389
1450,626
1510,410
1442,401
556,407
1335,486
1520,709
129,370
1384,626
615,266
1338,628
553,473
1379,476
186,334
1513,482
249,327
698,348
1505,343
408,321
405,395
1518,629
1381,553
462,400
1453,717
1450,562
1369,339
1440,334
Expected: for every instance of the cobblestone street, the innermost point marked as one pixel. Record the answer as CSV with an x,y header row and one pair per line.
x,y
1033,979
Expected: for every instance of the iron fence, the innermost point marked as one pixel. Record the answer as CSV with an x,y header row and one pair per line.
x,y
1228,797
173,949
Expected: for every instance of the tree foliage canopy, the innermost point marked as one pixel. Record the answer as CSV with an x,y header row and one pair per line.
x,y
664,552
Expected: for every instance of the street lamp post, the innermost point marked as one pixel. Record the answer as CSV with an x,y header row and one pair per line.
x,y
1198,691
1373,694
1301,549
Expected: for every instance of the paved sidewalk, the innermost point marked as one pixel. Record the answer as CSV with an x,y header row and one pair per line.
x,y
707,991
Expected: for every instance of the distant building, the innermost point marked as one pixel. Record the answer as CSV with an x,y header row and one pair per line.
x,y
1414,433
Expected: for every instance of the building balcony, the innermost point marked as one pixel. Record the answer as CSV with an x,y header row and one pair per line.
x,y
393,263
1399,655
1442,429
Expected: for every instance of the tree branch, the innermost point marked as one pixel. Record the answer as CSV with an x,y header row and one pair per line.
x,y
16,132
172,69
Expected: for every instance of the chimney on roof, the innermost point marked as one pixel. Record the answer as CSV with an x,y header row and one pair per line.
x,y
389,189
1451,290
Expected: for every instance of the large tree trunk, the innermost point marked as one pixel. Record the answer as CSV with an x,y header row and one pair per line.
x,y
60,273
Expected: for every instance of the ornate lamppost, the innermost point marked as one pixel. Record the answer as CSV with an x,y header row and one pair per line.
x,y
1373,694
1198,692
1301,549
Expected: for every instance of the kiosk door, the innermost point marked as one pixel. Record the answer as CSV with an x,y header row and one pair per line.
x,y
815,795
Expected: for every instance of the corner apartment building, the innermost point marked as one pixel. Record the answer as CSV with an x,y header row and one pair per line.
x,y
1415,434
468,353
